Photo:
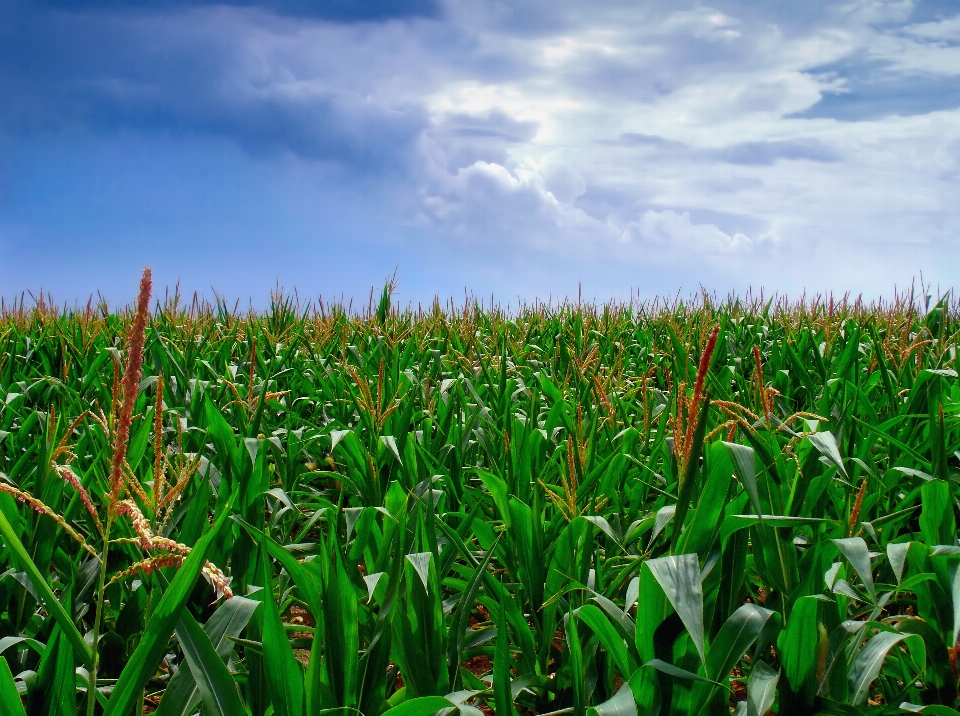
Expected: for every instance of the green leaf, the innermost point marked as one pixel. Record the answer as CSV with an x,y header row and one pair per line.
x,y
645,687
932,709
341,630
218,690
549,389
577,675
502,695
461,614
938,674
224,439
153,644
734,523
611,639
621,703
866,665
57,678
10,703
855,549
955,595
676,672
745,468
736,635
45,593
421,706
700,534
679,577
182,694
936,518
688,479
309,588
826,443
761,689
798,644
283,674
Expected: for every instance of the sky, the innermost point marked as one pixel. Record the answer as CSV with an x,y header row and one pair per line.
x,y
522,150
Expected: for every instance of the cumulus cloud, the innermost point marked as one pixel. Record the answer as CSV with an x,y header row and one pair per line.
x,y
668,234
488,206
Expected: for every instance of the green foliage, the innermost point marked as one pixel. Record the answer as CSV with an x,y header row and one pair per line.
x,y
675,509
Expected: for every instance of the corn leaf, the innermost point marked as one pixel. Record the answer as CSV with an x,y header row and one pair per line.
x,y
153,644
218,690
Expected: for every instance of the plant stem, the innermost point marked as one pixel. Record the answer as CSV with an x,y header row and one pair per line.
x,y
92,685
146,620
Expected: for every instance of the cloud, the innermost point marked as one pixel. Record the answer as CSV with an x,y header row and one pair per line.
x,y
667,235
767,152
536,211
879,98
462,139
762,153
732,142
334,10
459,206
861,87
930,10
211,71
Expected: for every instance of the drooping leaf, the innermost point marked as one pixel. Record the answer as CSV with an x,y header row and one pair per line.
x,y
826,443
745,468
611,639
421,706
867,663
856,550
679,577
182,694
218,690
761,689
897,554
736,635
421,563
621,703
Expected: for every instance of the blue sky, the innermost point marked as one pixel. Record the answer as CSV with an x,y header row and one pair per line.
x,y
520,149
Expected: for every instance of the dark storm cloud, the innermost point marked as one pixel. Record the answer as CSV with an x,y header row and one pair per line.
x,y
188,74
334,10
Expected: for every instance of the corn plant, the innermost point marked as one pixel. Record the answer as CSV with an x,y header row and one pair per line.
x,y
743,507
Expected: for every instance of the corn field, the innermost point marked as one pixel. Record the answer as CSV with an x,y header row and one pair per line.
x,y
716,507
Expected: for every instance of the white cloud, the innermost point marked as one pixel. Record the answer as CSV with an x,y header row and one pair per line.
x,y
669,235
